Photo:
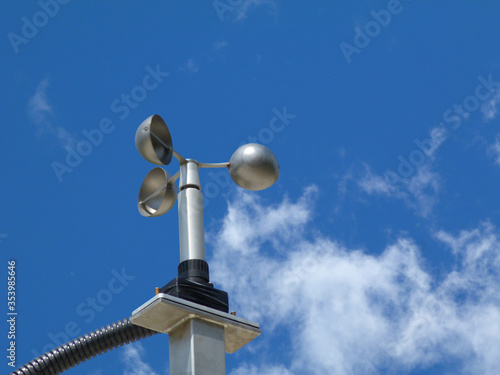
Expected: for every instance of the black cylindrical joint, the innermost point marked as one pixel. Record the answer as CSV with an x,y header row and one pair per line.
x,y
194,270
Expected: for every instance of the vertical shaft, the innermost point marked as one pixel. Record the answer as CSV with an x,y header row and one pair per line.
x,y
197,348
190,200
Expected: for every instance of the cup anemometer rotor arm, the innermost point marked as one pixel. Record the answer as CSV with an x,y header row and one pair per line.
x,y
252,166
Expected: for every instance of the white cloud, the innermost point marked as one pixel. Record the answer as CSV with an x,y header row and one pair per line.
x,y
346,311
41,112
490,107
247,5
494,150
374,184
132,358
264,370
220,45
191,66
39,106
420,191
415,183
424,190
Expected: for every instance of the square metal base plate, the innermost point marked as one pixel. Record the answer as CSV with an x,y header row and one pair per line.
x,y
164,313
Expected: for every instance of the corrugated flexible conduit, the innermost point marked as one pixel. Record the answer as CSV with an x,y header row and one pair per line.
x,y
83,348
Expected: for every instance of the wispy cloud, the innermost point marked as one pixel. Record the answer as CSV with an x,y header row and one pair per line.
x,y
246,369
490,107
41,113
191,66
494,150
39,106
248,5
219,45
421,186
347,311
372,183
132,358
420,192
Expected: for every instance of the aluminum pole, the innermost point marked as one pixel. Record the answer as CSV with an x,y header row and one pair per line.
x,y
197,348
190,200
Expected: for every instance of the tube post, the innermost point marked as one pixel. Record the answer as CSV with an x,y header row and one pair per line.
x,y
197,348
191,228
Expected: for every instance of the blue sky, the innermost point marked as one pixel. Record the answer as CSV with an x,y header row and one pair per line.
x,y
376,251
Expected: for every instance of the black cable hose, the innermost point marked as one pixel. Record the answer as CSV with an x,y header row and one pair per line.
x,y
79,350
